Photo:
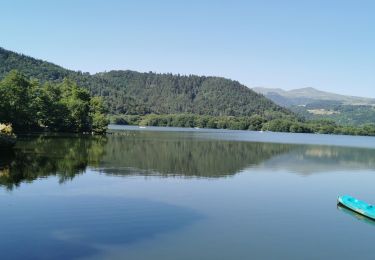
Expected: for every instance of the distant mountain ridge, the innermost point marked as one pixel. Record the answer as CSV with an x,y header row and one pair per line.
x,y
311,103
130,92
303,96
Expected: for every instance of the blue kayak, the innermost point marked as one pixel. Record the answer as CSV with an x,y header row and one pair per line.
x,y
358,206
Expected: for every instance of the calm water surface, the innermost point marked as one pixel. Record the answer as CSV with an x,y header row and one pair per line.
x,y
170,193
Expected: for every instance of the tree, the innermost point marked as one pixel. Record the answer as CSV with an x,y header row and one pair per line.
x,y
15,96
55,107
97,112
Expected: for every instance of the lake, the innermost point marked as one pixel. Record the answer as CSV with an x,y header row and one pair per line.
x,y
175,193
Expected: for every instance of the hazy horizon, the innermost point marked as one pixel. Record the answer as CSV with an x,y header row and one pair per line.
x,y
289,45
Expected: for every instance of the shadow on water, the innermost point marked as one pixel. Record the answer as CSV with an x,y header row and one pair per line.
x,y
358,216
63,228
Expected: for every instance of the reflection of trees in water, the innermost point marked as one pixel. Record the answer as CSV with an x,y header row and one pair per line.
x,y
330,154
63,156
311,159
167,155
150,153
185,154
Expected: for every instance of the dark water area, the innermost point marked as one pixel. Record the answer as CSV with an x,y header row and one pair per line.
x,y
171,193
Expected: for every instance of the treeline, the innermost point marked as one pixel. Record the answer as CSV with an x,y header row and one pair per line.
x,y
255,123
58,107
318,127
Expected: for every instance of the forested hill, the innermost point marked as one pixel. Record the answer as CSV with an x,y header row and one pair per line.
x,y
168,94
129,92
32,68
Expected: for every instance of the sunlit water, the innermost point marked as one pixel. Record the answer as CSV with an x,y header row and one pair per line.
x,y
170,193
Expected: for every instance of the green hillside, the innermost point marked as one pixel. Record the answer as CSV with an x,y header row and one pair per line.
x,y
340,113
129,92
149,99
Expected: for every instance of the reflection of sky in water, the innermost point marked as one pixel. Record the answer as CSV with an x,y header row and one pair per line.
x,y
56,227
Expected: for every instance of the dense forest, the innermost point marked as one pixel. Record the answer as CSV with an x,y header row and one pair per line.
x,y
129,92
29,106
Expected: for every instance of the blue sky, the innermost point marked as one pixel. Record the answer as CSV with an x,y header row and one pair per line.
x,y
329,45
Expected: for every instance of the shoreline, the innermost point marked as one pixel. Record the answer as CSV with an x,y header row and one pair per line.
x,y
229,129
366,142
